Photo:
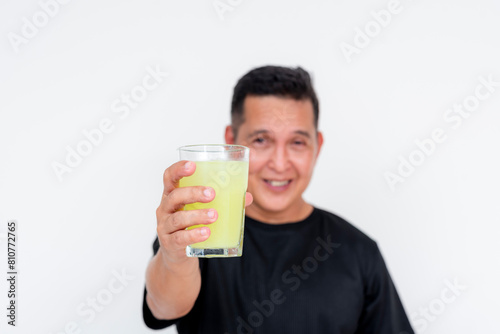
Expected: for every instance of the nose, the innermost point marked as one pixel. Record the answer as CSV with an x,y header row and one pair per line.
x,y
279,161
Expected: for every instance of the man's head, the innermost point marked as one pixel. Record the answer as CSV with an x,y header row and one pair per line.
x,y
275,114
294,83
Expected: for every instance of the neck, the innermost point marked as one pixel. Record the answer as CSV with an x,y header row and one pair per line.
x,y
295,213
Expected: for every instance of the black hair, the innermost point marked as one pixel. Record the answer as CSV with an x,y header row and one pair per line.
x,y
272,80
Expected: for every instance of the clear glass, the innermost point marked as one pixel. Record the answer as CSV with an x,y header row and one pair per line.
x,y
225,169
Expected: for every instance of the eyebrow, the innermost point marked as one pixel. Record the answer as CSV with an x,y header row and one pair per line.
x,y
257,132
304,133
299,132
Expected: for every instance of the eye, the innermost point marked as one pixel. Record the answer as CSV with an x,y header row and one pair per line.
x,y
259,140
299,142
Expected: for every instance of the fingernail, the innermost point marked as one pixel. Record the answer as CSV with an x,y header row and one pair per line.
x,y
211,214
207,192
187,165
204,231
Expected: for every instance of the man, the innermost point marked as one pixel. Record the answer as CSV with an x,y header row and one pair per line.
x,y
303,270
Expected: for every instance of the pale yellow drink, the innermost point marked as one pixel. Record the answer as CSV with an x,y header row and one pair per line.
x,y
229,179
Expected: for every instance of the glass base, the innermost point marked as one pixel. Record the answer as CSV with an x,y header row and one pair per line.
x,y
214,252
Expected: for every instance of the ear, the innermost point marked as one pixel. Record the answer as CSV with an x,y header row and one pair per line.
x,y
320,143
229,135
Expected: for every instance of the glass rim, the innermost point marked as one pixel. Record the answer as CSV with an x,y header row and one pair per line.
x,y
196,148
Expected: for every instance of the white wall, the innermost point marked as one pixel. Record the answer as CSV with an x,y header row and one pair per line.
x,y
438,226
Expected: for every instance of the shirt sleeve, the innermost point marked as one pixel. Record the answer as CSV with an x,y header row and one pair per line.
x,y
383,312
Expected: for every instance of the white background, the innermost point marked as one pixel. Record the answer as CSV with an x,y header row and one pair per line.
x,y
439,225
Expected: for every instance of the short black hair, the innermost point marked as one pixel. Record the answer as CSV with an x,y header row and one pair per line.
x,y
272,80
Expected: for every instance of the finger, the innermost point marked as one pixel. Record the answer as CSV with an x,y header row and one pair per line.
x,y
175,172
248,199
183,238
182,219
181,196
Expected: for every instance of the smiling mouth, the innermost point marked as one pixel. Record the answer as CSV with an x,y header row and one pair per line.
x,y
274,183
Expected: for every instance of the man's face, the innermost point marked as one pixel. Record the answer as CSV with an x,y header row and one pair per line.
x,y
283,146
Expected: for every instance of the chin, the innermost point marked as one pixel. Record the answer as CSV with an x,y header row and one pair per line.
x,y
273,205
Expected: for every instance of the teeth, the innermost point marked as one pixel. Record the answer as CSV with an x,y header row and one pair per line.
x,y
278,183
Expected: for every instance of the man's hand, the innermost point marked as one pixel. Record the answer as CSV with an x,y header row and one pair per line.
x,y
172,220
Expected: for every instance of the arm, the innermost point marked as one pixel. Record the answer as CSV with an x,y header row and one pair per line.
x,y
173,280
171,289
383,311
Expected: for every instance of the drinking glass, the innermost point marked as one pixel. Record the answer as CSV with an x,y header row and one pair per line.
x,y
225,169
